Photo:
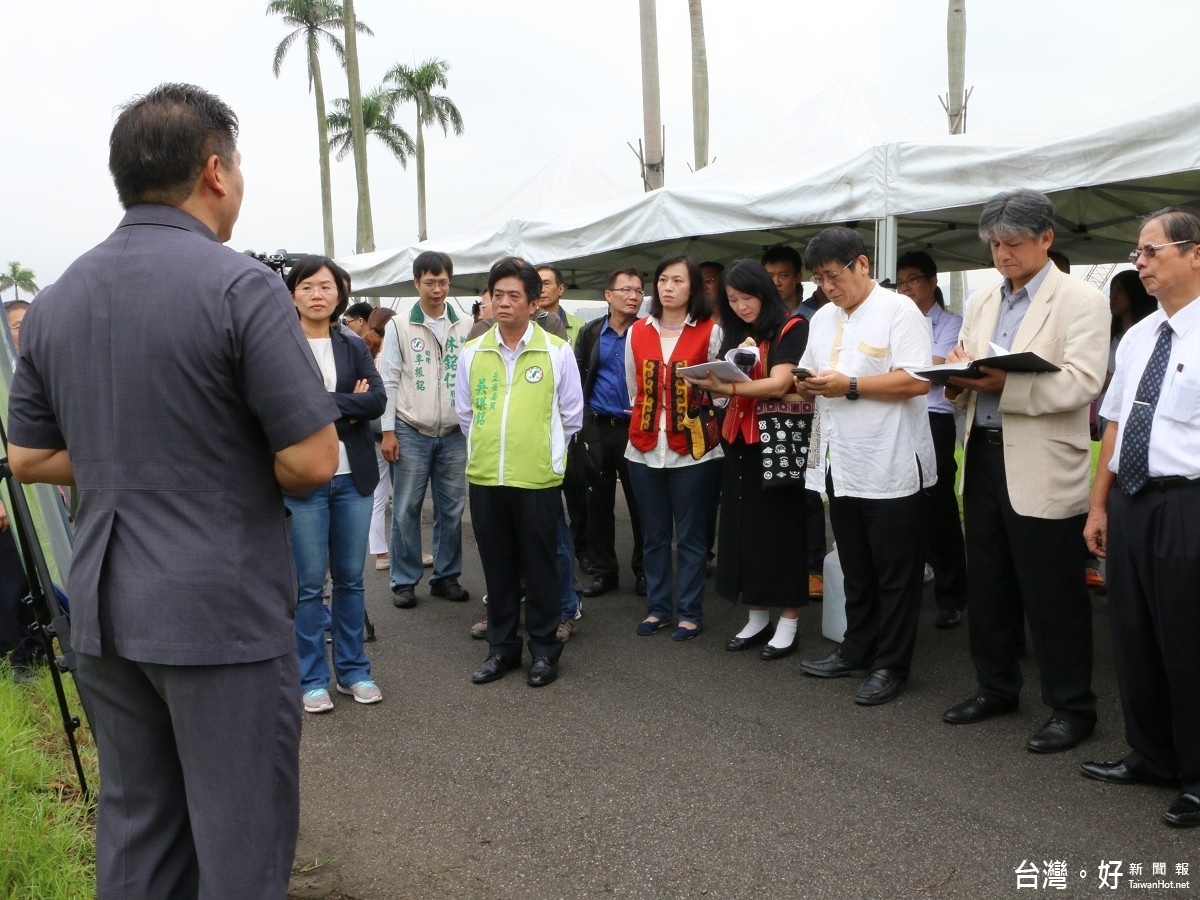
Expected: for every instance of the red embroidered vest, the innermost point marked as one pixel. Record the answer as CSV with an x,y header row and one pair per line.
x,y
739,414
658,385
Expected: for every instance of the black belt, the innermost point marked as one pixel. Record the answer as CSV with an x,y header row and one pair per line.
x,y
991,435
614,421
1171,482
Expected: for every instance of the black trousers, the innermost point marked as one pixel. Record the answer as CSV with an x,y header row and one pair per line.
x,y
1154,603
517,533
879,544
17,636
574,492
604,440
946,550
1019,562
814,524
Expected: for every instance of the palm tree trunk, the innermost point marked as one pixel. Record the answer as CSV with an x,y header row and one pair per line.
x,y
699,85
365,242
422,230
322,146
652,162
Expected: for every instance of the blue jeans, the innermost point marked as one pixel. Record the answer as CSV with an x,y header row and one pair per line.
x,y
329,533
675,502
565,565
442,462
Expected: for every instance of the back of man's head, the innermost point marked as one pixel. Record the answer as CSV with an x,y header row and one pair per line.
x,y
160,142
1016,214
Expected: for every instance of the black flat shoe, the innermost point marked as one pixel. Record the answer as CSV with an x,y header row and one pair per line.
x,y
601,584
948,618
1058,735
978,708
493,668
734,644
771,652
639,587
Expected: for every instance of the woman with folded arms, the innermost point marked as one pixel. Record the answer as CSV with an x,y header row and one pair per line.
x,y
674,488
330,524
760,557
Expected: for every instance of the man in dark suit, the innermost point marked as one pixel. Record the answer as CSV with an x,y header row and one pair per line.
x,y
179,437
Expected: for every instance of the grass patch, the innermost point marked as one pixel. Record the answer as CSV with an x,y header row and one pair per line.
x,y
47,830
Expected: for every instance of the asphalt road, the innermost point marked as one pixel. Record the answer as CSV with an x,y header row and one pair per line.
x,y
662,769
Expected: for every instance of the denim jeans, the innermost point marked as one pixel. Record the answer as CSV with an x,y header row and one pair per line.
x,y
675,502
565,565
329,533
442,462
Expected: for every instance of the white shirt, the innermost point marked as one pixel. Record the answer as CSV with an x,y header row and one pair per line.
x,y
874,445
1175,429
322,351
662,456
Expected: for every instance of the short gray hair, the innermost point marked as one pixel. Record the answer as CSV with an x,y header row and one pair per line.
x,y
1020,213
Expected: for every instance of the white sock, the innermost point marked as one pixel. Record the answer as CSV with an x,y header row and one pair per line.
x,y
759,619
785,633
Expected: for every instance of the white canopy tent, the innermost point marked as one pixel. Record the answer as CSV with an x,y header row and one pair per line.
x,y
919,194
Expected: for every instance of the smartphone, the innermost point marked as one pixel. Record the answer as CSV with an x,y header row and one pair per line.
x,y
802,373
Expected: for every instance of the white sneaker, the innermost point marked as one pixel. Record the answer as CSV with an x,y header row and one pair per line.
x,y
317,701
382,563
362,691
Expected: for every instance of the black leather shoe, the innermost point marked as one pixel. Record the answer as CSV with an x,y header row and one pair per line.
x,y
948,618
734,644
404,596
1058,735
602,584
832,667
881,686
544,671
639,587
585,562
449,588
493,668
771,652
1118,773
979,708
1184,812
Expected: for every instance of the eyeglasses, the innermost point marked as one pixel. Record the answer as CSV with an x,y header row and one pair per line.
x,y
1149,250
822,280
911,279
625,290
431,283
307,290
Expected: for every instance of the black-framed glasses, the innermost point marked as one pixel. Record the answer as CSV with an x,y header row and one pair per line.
x,y
1149,250
911,279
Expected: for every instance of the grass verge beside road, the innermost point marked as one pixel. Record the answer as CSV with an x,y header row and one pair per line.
x,y
47,830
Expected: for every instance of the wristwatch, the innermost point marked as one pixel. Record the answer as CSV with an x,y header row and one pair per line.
x,y
852,393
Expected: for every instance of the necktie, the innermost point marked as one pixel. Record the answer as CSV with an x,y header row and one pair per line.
x,y
1133,468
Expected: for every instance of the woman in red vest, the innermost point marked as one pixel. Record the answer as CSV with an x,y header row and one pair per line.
x,y
762,531
670,454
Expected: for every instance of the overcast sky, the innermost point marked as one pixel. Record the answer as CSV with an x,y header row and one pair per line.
x,y
533,78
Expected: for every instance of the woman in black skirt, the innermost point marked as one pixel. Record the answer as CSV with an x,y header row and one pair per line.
x,y
760,557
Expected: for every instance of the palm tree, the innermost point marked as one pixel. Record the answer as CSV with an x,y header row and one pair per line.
x,y
376,122
652,161
365,239
19,279
417,85
312,21
699,85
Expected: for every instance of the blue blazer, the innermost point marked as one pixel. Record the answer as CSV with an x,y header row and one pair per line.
x,y
353,362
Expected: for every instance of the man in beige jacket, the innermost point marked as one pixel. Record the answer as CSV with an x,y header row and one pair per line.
x,y
1026,473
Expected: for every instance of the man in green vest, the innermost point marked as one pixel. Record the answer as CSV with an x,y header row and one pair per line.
x,y
519,402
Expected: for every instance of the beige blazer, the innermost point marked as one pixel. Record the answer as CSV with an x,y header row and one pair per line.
x,y
1047,451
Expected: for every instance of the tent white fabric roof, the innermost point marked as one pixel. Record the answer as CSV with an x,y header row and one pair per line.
x,y
1102,182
